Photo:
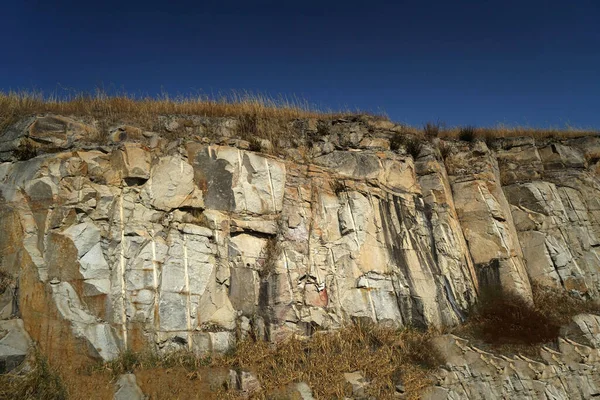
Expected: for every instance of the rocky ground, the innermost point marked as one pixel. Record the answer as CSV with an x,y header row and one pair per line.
x,y
183,239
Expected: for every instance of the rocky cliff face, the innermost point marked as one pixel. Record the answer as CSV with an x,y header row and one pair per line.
x,y
198,241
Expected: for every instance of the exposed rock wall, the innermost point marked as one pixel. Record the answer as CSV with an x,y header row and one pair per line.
x,y
196,242
572,372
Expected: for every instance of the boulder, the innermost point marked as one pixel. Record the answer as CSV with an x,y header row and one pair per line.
x,y
126,388
171,185
245,382
14,344
132,161
55,131
358,383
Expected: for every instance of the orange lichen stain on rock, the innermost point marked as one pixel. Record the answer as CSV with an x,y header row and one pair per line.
x,y
137,339
54,336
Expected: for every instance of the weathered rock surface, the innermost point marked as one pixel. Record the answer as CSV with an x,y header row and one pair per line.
x,y
14,344
571,372
195,244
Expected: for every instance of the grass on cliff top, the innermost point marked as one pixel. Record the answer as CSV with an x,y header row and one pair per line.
x,y
260,116
144,111
509,324
470,133
383,355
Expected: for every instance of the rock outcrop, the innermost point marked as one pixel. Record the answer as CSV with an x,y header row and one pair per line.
x,y
195,243
572,372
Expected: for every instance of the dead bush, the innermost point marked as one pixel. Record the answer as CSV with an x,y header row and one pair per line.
x,y
467,133
510,323
272,252
411,144
432,129
559,306
506,318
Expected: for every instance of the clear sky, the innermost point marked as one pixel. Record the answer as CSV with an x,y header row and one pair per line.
x,y
479,62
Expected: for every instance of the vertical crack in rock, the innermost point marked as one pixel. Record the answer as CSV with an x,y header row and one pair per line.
x,y
452,300
368,288
554,265
290,284
156,314
494,221
311,226
188,306
122,272
268,168
410,307
240,165
336,283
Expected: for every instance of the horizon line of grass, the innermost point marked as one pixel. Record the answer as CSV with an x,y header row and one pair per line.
x,y
144,109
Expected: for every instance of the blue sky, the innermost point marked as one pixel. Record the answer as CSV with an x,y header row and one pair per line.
x,y
480,62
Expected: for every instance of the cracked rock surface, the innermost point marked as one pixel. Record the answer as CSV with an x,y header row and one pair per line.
x,y
195,243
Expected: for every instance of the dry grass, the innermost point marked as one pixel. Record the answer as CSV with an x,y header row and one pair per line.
x,y
384,356
412,144
470,133
258,115
129,362
271,255
42,382
559,306
509,324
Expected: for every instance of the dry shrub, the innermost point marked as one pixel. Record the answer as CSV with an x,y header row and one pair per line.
x,y
506,318
511,324
559,306
432,129
271,255
385,356
41,382
467,133
411,144
26,151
